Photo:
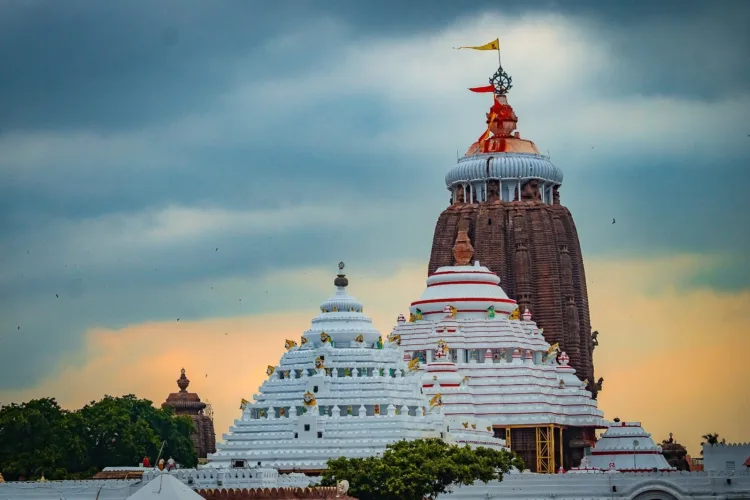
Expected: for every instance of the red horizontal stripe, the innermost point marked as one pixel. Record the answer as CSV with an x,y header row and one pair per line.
x,y
531,413
459,310
464,299
463,283
461,272
521,402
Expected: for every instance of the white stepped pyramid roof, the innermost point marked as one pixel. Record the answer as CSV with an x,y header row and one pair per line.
x,y
341,392
495,364
625,446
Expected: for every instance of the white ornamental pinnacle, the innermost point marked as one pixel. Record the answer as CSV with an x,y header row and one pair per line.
x,y
526,315
564,359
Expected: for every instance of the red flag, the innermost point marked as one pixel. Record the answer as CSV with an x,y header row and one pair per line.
x,y
488,88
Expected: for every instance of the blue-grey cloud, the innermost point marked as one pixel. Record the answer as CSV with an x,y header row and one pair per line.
x,y
135,141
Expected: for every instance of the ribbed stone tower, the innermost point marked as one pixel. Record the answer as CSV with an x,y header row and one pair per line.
x,y
507,194
188,403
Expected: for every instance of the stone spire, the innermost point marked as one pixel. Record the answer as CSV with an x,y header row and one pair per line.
x,y
462,250
188,403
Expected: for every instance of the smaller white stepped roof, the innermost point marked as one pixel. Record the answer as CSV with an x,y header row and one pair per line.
x,y
338,393
626,447
165,487
341,317
470,289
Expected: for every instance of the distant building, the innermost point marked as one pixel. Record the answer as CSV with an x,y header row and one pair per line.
x,y
188,403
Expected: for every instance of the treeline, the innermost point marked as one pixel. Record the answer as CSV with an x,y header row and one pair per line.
x,y
40,438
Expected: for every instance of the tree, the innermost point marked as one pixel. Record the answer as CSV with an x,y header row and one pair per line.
x,y
711,438
414,470
32,437
39,437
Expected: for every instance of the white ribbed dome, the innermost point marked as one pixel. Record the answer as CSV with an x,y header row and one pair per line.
x,y
341,318
470,289
503,166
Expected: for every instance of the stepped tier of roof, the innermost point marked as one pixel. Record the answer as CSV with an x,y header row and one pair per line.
x,y
486,360
338,394
625,446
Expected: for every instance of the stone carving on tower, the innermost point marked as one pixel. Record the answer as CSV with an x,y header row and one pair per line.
x,y
188,403
505,194
462,250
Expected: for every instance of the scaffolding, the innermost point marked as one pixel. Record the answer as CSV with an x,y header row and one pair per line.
x,y
545,449
540,447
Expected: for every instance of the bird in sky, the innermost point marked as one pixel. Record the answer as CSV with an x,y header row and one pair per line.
x,y
613,221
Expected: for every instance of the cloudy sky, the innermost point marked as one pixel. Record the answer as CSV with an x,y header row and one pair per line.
x,y
213,162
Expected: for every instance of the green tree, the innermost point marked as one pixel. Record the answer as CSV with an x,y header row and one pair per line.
x,y
126,429
414,470
711,438
30,437
39,437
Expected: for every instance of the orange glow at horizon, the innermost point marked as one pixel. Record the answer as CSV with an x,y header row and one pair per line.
x,y
671,358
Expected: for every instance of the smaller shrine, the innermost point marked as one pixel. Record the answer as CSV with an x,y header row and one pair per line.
x,y
188,403
625,447
675,453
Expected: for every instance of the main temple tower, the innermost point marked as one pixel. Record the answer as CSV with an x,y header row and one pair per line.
x,y
506,194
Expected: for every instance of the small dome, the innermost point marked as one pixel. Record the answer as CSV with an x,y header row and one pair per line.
x,y
471,290
504,166
341,317
629,447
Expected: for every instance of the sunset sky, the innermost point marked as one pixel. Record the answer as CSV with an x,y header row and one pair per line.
x,y
214,161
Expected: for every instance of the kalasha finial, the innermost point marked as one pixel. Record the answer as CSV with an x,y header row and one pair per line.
x,y
341,280
183,381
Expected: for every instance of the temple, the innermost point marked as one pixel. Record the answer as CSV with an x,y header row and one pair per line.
x,y
507,371
496,352
505,195
188,403
340,392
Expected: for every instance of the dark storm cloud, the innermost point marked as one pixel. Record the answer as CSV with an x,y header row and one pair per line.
x,y
115,65
116,68
188,281
662,207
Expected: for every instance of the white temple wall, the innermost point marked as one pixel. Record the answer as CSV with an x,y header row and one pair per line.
x,y
725,457
600,486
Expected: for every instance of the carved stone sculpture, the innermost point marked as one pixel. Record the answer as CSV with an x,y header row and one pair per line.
x,y
599,384
594,339
342,488
530,191
493,190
